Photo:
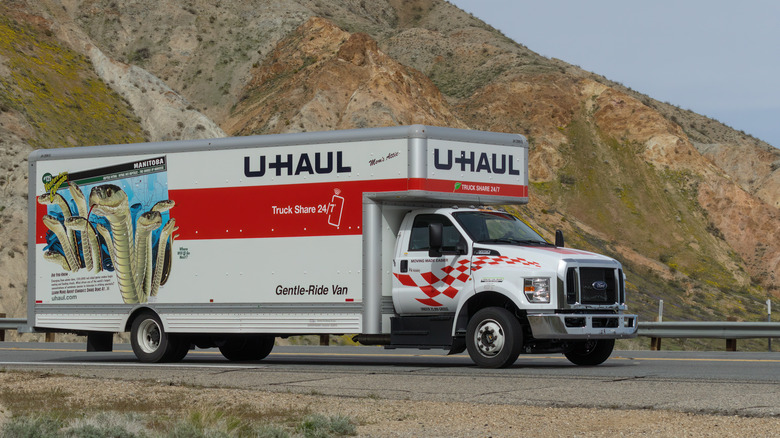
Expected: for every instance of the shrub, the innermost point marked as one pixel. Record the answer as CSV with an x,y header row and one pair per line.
x,y
322,426
32,427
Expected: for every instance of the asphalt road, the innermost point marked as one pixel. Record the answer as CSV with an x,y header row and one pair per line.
x,y
732,383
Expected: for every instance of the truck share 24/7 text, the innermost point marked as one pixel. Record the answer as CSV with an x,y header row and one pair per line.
x,y
394,235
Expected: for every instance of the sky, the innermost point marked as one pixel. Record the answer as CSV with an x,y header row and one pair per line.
x,y
718,58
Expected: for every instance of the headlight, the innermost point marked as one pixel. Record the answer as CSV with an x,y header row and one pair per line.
x,y
537,290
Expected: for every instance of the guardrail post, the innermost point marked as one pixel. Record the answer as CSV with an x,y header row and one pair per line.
x,y
324,340
655,343
731,344
2,332
769,319
49,337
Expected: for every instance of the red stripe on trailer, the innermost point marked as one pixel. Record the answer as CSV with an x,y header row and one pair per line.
x,y
296,210
291,210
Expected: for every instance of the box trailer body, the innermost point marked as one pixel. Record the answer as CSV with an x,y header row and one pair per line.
x,y
231,242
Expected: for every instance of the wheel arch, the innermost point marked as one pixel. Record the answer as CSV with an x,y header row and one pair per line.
x,y
128,324
481,300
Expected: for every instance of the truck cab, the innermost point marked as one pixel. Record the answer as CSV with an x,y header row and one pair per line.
x,y
492,285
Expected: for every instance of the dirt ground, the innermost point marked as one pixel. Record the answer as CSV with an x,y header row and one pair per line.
x,y
375,417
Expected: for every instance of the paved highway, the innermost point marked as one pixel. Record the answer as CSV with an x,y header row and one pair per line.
x,y
712,382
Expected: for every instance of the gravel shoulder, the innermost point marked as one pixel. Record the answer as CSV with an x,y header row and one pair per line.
x,y
375,416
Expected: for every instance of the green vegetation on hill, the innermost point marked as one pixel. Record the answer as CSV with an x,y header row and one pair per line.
x,y
56,91
656,212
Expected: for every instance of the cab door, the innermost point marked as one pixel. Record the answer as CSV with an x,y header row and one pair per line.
x,y
423,284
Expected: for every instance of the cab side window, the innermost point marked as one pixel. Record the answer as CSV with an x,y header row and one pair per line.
x,y
419,237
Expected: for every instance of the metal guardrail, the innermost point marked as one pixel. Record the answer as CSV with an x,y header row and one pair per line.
x,y
12,323
709,329
728,330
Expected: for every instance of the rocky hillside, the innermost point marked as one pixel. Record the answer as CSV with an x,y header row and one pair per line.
x,y
689,205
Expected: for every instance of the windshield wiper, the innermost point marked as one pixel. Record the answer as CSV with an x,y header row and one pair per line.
x,y
535,242
509,241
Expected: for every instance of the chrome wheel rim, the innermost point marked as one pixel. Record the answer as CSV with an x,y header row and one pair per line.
x,y
149,334
489,338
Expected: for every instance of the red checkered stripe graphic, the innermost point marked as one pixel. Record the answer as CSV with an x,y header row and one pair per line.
x,y
489,261
446,281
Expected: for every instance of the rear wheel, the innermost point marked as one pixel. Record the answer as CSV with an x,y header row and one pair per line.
x,y
592,352
152,344
247,347
494,338
180,346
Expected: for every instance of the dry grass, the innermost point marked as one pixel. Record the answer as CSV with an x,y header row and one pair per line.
x,y
43,404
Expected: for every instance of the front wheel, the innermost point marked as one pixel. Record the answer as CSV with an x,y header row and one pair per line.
x,y
152,344
494,338
590,353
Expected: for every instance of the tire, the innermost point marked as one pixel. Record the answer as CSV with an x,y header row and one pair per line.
x,y
591,353
494,338
180,348
248,347
151,344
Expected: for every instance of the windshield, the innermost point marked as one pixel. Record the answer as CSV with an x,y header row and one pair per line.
x,y
497,227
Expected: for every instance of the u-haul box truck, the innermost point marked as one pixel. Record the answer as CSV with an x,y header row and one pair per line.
x,y
384,233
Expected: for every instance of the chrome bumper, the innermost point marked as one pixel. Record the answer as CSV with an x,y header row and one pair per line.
x,y
582,326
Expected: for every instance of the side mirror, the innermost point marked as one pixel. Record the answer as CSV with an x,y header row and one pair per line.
x,y
559,238
435,236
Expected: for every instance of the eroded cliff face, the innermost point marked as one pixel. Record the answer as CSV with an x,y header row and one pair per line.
x,y
323,78
755,169
689,205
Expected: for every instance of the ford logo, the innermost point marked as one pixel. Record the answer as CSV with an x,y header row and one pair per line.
x,y
600,285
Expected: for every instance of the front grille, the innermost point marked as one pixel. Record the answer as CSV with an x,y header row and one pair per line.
x,y
586,286
605,323
572,285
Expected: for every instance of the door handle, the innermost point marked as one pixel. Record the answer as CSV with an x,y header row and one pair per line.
x,y
404,265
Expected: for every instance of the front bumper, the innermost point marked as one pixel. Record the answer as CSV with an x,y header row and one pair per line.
x,y
582,326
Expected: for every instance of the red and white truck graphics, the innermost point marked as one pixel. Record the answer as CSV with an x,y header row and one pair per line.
x,y
231,242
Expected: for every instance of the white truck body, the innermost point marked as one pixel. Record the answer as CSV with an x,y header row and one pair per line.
x,y
296,234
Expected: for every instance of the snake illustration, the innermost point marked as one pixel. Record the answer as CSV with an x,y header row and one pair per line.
x,y
163,252
111,201
131,250
57,199
163,206
164,265
55,257
146,223
106,235
79,199
59,230
91,250
166,268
